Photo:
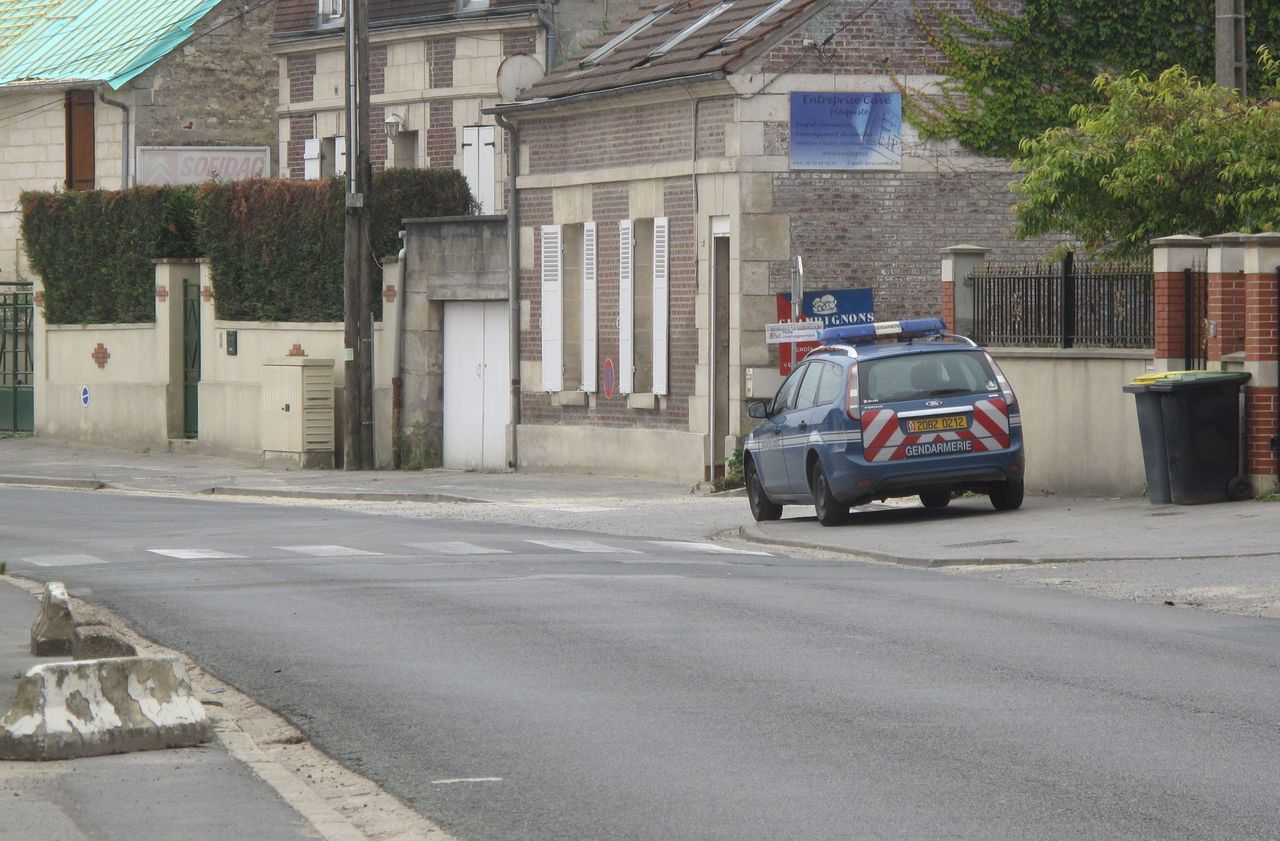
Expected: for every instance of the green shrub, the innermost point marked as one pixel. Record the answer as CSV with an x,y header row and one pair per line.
x,y
95,249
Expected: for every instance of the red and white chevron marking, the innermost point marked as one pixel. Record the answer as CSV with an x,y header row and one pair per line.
x,y
883,438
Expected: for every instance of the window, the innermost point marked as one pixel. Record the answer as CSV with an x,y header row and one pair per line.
x,y
622,37
808,395
747,27
333,157
917,376
831,387
569,307
785,399
80,140
678,39
643,293
329,13
478,164
472,6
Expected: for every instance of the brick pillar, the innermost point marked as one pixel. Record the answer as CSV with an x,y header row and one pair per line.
x,y
1170,257
1261,342
1226,296
957,296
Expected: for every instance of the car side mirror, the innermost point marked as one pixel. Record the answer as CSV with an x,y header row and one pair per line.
x,y
757,409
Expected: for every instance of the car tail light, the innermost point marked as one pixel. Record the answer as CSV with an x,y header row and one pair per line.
x,y
851,395
1005,388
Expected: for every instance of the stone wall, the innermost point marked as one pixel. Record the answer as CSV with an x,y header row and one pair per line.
x,y
220,88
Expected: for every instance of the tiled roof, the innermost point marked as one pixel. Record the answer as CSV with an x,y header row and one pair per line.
x,y
706,48
108,41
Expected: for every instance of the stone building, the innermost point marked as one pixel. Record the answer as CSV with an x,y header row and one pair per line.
x,y
671,174
433,70
112,93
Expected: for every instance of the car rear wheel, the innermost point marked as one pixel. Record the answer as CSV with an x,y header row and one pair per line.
x,y
830,511
935,499
762,508
1007,496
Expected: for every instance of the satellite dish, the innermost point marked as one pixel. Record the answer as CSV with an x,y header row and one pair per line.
x,y
517,74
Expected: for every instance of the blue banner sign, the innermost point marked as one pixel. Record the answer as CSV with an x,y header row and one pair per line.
x,y
846,130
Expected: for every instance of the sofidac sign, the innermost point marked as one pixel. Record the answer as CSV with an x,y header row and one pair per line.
x,y
159,165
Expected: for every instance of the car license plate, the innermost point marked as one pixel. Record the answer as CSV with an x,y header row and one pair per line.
x,y
938,424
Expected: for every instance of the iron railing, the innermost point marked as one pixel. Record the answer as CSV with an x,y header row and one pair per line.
x,y
1068,304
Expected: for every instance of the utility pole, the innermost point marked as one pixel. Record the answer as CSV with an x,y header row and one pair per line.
x,y
356,298
1229,46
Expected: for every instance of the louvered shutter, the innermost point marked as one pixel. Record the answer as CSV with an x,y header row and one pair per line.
x,y
661,295
626,307
589,306
552,310
340,156
311,159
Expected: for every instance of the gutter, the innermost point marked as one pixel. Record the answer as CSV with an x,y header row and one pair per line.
x,y
513,281
126,152
587,96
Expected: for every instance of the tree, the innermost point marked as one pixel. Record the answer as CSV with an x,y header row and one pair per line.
x,y
1155,157
1011,75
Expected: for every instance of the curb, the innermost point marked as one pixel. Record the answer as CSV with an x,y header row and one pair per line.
x,y
45,482
355,496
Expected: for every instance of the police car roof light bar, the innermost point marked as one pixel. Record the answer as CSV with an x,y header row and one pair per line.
x,y
914,328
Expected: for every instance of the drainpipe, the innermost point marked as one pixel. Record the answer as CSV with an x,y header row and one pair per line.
x,y
553,36
125,152
513,279
397,366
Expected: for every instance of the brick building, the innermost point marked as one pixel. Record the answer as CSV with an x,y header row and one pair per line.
x,y
433,69
97,95
669,177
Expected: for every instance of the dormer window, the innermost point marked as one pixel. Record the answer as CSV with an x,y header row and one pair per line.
x,y
329,13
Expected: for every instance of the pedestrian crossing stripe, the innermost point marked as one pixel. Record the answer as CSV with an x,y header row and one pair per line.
x,y
63,560
194,554
458,547
714,548
584,546
327,551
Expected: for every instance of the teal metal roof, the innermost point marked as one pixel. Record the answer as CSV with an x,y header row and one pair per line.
x,y
108,41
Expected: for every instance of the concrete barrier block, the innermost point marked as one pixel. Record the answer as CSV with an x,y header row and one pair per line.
x,y
93,642
52,631
97,707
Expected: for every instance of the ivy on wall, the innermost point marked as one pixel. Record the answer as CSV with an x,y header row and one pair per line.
x,y
1014,75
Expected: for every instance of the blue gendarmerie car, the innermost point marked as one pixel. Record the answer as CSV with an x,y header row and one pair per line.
x,y
890,409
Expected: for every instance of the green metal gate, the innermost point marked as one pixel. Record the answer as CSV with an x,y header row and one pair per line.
x,y
191,359
17,400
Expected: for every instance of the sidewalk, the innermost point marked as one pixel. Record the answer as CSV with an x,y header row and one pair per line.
x,y
197,794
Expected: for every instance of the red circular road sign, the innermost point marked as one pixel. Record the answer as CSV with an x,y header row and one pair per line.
x,y
608,378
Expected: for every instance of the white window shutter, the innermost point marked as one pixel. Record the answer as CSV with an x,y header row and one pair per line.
x,y
661,294
552,310
626,307
471,159
340,155
486,169
311,159
589,306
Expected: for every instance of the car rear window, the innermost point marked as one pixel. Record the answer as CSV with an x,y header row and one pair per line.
x,y
922,375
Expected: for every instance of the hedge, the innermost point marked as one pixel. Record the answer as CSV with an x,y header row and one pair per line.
x,y
95,249
275,245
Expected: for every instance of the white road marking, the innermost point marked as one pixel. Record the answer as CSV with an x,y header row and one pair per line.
x,y
453,780
63,560
327,551
457,547
708,547
194,554
584,546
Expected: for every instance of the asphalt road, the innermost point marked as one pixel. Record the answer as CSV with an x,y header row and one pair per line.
x,y
514,682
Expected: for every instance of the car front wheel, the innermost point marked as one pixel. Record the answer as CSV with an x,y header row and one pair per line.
x,y
762,508
830,511
1007,496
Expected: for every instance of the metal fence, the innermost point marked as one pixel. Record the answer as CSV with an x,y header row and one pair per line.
x,y
1068,304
